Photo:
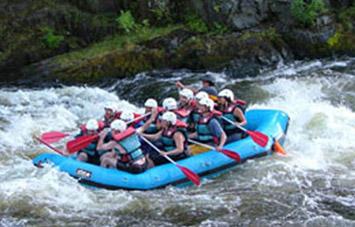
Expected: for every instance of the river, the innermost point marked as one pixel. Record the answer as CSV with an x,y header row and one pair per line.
x,y
312,186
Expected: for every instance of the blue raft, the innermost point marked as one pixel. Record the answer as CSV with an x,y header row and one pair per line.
x,y
273,123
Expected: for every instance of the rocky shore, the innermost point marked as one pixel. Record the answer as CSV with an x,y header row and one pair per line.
x,y
85,41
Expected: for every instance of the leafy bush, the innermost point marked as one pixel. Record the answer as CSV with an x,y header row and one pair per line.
x,y
307,13
50,39
126,21
196,24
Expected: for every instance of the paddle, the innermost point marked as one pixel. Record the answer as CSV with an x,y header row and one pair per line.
x,y
84,141
226,152
80,143
52,137
258,137
187,172
50,146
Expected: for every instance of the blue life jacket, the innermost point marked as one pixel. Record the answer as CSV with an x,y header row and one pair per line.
x,y
129,141
167,138
229,114
204,133
183,115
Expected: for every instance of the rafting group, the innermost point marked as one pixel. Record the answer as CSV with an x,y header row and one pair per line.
x,y
198,121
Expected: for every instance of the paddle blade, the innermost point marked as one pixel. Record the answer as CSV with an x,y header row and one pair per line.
x,y
190,175
80,143
52,137
232,155
260,138
278,148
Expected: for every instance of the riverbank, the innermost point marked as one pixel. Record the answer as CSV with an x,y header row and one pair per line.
x,y
72,42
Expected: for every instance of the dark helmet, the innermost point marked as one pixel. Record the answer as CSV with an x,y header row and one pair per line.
x,y
208,78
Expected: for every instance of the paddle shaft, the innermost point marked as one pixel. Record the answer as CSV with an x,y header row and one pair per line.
x,y
201,144
235,124
49,146
158,150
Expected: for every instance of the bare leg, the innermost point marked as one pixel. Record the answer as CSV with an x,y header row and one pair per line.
x,y
108,162
83,157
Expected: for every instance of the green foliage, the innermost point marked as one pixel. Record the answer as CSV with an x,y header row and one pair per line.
x,y
126,21
50,39
307,13
346,18
196,24
219,29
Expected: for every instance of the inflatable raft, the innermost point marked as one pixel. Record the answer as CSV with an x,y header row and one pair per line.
x,y
273,123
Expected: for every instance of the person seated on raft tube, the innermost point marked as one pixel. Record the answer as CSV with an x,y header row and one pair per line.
x,y
195,115
172,137
208,86
90,154
208,128
110,115
126,152
233,112
151,123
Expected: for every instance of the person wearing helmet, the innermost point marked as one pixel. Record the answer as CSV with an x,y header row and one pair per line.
x,y
89,154
151,123
186,105
128,117
126,153
208,128
170,104
109,116
208,86
195,115
231,111
172,137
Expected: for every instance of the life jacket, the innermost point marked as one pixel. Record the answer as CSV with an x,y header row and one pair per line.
x,y
241,104
229,114
129,141
167,137
204,133
183,114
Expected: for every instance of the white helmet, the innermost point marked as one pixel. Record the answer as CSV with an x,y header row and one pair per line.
x,y
118,125
151,103
187,93
226,93
207,102
170,104
127,116
92,124
201,95
169,117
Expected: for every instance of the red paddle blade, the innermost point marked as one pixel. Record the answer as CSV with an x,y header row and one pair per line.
x,y
260,138
190,175
232,155
52,137
80,143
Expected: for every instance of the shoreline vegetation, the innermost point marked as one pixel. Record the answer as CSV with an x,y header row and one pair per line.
x,y
89,40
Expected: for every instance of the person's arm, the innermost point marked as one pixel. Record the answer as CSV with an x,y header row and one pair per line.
x,y
193,135
151,119
239,114
152,137
218,131
104,146
179,140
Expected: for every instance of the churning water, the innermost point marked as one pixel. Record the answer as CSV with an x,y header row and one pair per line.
x,y
312,186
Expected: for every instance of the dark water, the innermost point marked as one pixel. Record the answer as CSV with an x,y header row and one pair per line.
x,y
312,186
